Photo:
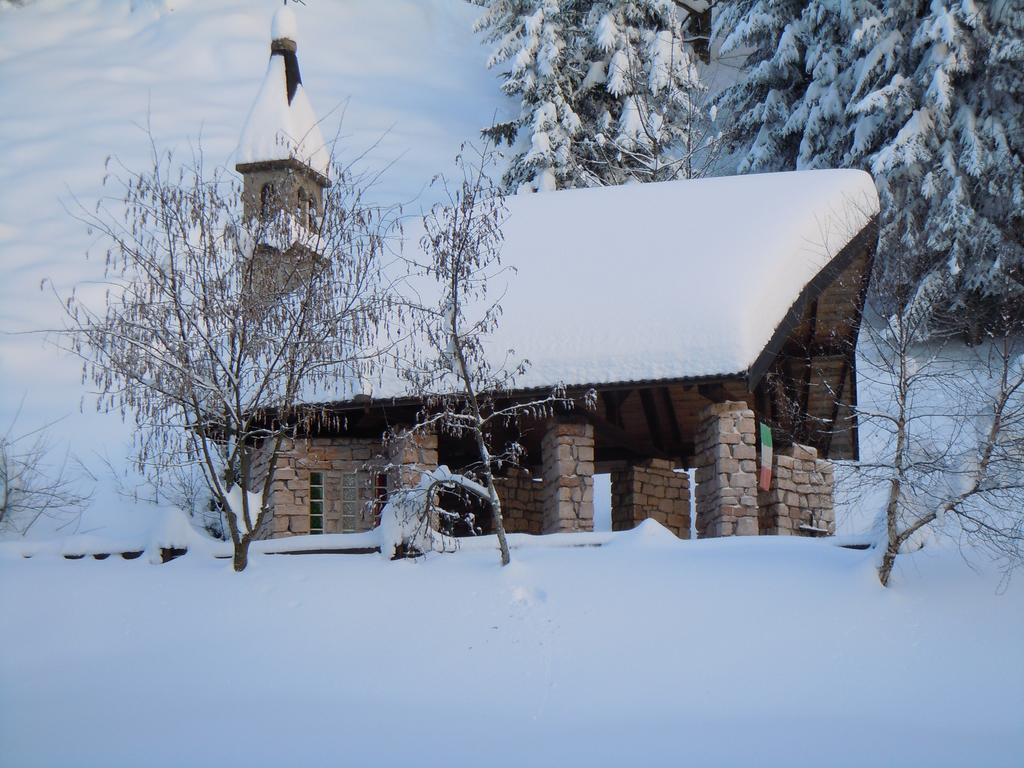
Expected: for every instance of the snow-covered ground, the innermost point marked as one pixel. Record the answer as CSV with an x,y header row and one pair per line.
x,y
644,651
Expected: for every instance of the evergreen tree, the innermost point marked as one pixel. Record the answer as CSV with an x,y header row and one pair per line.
x,y
759,107
788,110
608,92
529,36
649,108
928,98
938,123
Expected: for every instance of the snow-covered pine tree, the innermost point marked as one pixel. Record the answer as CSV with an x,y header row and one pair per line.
x,y
649,113
938,118
608,90
759,106
925,97
789,109
529,36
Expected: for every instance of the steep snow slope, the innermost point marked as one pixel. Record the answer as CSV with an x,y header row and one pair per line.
x,y
79,80
647,651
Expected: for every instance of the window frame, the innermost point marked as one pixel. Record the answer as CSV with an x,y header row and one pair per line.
x,y
317,487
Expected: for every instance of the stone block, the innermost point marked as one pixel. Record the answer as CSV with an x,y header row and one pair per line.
x,y
744,452
742,479
803,452
728,465
746,526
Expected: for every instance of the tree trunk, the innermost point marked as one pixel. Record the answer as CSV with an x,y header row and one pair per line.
x,y
241,556
499,523
888,560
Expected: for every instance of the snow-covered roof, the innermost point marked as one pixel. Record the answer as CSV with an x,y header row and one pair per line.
x,y
282,124
673,280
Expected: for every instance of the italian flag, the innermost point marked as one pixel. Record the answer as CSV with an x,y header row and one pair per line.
x,y
765,479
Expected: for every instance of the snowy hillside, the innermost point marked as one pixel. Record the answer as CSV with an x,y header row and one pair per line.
x,y
80,79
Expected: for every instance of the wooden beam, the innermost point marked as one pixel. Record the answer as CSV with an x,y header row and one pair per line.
x,y
714,392
844,373
833,348
613,405
613,436
805,395
651,417
673,420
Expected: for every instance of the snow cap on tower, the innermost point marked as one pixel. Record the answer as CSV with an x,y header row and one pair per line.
x,y
282,124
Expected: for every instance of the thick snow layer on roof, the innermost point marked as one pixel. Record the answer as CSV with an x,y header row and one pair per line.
x,y
279,129
284,25
670,280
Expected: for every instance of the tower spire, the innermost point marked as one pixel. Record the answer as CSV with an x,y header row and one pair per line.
x,y
281,152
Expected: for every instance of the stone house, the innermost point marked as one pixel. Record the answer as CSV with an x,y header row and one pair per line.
x,y
715,320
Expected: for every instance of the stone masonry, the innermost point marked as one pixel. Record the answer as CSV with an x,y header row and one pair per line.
x,y
333,458
726,471
520,498
567,450
408,455
799,502
651,490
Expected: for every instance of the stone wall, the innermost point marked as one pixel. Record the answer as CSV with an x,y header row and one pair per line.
x,y
409,455
286,181
651,490
799,502
521,501
726,492
567,450
335,459
728,503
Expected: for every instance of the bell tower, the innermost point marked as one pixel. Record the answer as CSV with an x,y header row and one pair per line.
x,y
281,155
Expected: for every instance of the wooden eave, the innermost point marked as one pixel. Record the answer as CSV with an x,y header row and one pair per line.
x,y
863,242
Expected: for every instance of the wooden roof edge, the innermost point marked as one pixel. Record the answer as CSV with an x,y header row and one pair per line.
x,y
412,400
863,241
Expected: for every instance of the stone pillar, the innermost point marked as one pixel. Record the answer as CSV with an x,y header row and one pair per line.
x,y
651,490
799,502
726,471
568,493
408,455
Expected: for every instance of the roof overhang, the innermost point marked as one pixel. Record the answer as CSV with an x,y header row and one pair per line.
x,y
289,164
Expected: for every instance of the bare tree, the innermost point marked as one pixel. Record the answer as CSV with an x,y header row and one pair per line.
x,y
36,481
451,370
215,326
952,416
